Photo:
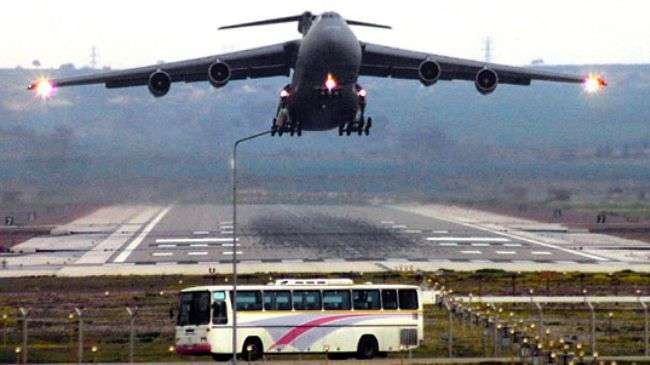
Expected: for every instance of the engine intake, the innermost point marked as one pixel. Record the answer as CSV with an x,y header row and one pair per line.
x,y
219,74
429,72
159,83
486,81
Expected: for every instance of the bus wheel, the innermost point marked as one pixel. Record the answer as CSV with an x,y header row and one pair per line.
x,y
253,349
367,348
222,357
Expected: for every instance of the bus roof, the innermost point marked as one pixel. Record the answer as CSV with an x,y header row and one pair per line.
x,y
299,287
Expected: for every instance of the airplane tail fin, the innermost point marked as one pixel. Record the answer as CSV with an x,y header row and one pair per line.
x,y
304,22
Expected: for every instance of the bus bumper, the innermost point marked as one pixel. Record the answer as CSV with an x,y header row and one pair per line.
x,y
194,349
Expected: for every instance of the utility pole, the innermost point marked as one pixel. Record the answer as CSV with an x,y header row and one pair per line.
x,y
132,313
234,240
80,354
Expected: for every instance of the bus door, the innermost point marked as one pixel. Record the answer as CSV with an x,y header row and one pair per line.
x,y
193,323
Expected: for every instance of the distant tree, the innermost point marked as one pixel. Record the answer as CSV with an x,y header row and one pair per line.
x,y
36,63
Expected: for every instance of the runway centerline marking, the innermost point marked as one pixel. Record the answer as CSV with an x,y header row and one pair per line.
x,y
480,244
194,240
413,231
469,239
448,244
440,232
472,252
165,246
512,244
229,245
199,245
138,240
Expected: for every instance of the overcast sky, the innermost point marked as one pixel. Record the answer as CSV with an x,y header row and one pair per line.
x,y
131,33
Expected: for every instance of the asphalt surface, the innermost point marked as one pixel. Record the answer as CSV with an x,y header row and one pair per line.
x,y
303,233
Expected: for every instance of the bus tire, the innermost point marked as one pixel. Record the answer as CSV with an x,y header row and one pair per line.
x,y
221,357
367,347
253,349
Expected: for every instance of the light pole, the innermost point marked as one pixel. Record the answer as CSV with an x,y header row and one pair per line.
x,y
234,239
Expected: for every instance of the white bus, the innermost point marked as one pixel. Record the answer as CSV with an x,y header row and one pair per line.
x,y
333,316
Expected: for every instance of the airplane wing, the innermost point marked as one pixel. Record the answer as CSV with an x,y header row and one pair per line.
x,y
398,63
273,60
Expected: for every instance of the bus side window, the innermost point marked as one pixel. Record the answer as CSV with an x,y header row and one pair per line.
x,y
248,300
277,300
306,300
336,299
408,299
366,299
389,298
219,314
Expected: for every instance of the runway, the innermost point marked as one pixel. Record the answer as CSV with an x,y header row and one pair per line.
x,y
302,233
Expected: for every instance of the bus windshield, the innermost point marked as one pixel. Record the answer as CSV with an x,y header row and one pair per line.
x,y
194,308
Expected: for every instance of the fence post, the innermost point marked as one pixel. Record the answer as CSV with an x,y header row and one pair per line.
x,y
593,326
80,353
132,313
450,334
646,349
24,312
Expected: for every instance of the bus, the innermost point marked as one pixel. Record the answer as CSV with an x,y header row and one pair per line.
x,y
332,316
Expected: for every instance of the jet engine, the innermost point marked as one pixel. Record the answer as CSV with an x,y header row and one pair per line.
x,y
159,83
486,81
219,74
429,72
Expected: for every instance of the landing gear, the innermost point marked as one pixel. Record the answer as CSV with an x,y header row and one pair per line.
x,y
281,128
358,126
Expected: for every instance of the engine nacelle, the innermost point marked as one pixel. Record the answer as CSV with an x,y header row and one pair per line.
x,y
486,81
159,83
429,72
219,74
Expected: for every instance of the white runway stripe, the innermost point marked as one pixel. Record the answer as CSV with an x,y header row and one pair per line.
x,y
413,231
226,233
138,240
162,254
230,253
229,245
506,253
229,226
387,222
541,253
199,245
512,245
166,246
200,253
480,244
194,240
471,252
469,239
200,233
399,226
440,232
448,244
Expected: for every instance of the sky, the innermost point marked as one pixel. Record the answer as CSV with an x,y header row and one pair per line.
x,y
132,33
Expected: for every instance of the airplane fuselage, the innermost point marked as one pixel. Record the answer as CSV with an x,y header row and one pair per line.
x,y
329,47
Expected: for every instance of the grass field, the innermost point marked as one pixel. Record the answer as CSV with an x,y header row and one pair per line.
x,y
53,331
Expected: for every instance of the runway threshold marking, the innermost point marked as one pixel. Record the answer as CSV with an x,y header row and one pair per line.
x,y
230,253
510,235
138,240
194,240
506,252
469,239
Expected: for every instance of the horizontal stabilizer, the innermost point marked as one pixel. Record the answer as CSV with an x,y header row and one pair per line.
x,y
286,19
364,24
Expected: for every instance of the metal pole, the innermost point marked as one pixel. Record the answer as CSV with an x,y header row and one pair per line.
x,y
80,353
541,320
496,335
234,241
450,334
24,312
645,328
132,313
593,327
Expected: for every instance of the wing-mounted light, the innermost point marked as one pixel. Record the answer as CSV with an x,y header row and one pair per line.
x,y
43,87
594,83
